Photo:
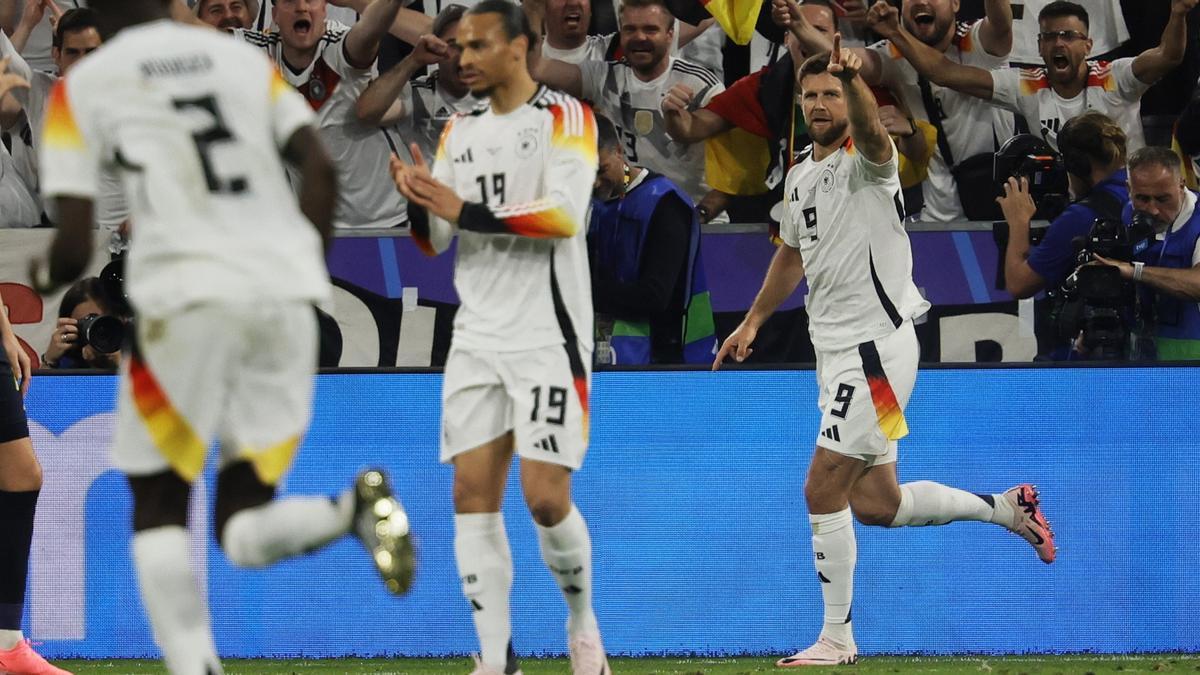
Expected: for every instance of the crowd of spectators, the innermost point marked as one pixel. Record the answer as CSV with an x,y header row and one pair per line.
x,y
954,78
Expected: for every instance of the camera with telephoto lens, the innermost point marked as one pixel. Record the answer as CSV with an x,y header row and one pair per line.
x,y
104,333
1027,156
1094,303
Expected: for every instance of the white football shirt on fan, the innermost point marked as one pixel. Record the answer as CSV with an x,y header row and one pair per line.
x,y
635,109
972,126
111,208
533,168
1111,89
427,109
195,123
367,197
1106,27
844,214
594,48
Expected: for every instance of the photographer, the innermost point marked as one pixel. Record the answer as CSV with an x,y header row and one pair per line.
x,y
1093,150
88,335
1170,267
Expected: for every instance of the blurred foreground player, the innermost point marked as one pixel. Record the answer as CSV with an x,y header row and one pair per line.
x,y
222,274
513,178
842,228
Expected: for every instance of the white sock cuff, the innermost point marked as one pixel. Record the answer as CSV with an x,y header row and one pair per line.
x,y
564,534
904,510
825,523
156,541
478,524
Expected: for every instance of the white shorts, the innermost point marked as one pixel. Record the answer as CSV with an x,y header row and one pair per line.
x,y
241,374
864,391
541,395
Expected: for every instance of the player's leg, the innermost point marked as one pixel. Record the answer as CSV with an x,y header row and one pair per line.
x,y
20,482
481,549
890,366
549,388
266,414
477,440
172,387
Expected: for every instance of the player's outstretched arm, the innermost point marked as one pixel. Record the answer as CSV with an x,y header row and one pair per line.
x,y
884,19
375,20
318,179
1152,64
869,135
570,174
783,276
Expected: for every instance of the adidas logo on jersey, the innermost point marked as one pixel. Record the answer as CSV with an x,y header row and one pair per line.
x,y
832,434
465,158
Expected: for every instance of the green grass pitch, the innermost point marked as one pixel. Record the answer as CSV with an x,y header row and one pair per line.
x,y
1010,665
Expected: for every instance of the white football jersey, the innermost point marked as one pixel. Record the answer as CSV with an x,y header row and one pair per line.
x,y
972,125
1111,89
367,197
524,284
844,213
427,109
635,109
194,122
594,48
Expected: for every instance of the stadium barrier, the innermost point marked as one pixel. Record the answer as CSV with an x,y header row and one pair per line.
x,y
697,514
394,306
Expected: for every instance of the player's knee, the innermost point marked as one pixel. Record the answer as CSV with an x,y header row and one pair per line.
x,y
548,510
238,489
472,496
874,514
19,468
159,500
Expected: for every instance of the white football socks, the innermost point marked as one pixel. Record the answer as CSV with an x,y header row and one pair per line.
x,y
927,503
835,552
486,569
10,639
176,609
567,551
283,528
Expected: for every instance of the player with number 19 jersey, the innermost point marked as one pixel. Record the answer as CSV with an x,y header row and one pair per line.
x,y
194,122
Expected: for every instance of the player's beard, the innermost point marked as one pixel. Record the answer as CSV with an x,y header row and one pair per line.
x,y
829,135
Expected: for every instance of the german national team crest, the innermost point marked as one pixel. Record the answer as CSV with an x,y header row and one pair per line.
x,y
827,180
643,122
527,143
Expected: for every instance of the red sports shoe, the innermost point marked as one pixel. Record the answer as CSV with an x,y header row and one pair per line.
x,y
1029,522
22,660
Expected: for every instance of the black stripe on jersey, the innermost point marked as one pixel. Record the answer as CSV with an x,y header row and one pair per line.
x,y
888,305
547,97
391,143
571,340
708,76
260,39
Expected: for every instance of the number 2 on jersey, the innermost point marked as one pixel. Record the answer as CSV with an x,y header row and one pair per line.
x,y
206,137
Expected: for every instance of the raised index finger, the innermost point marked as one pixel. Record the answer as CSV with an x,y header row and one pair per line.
x,y
836,57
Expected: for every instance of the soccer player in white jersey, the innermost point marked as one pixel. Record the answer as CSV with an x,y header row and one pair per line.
x,y
842,231
1068,84
223,272
513,180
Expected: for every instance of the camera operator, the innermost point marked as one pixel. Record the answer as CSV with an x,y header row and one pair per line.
x,y
1170,268
85,312
1093,150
